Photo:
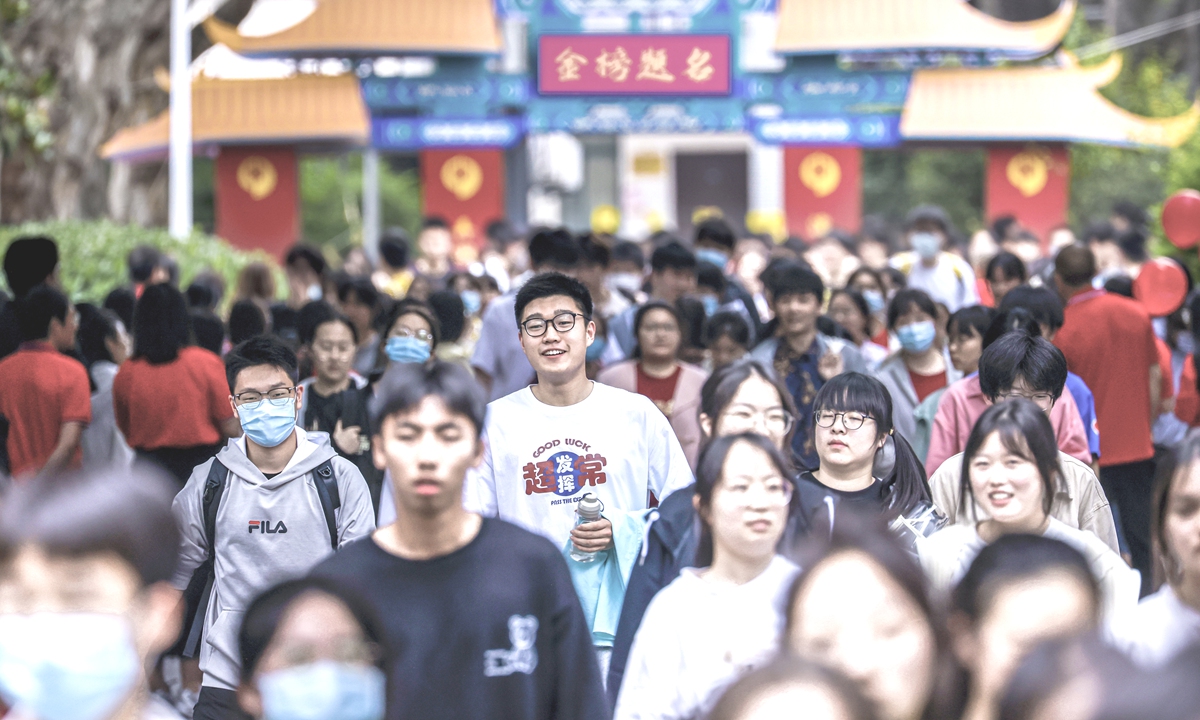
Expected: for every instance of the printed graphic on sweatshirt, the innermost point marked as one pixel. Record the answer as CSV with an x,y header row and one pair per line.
x,y
521,657
265,526
562,471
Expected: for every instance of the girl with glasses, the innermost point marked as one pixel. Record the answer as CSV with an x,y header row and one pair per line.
x,y
677,670
410,334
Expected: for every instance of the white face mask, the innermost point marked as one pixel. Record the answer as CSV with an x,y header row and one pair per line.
x,y
629,282
926,245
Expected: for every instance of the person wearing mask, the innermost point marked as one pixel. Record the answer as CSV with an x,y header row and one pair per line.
x,y
788,683
919,369
854,428
499,358
334,400
869,283
595,258
1005,271
410,334
1127,384
85,605
360,301
849,309
627,271
656,373
1168,621
1023,364
481,615
305,268
944,276
801,357
45,395
1011,469
311,649
965,332
106,346
743,487
673,270
744,396
566,435
170,399
287,488
715,243
29,261
727,338
861,605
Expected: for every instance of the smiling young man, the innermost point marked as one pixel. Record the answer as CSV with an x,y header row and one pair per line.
x,y
481,615
276,501
548,444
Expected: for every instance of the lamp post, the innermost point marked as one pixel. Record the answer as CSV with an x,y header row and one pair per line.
x,y
179,217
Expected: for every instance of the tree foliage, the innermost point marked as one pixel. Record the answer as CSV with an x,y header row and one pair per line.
x,y
24,115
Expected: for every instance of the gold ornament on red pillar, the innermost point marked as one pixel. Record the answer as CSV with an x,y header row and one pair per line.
x,y
462,176
1028,171
820,173
257,176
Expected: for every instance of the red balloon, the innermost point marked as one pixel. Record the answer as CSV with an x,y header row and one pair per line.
x,y
1160,287
1181,219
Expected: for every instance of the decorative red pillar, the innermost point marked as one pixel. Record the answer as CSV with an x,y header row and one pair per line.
x,y
257,198
1031,182
822,189
466,188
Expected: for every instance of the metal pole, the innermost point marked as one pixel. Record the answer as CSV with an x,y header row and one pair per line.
x,y
180,156
370,204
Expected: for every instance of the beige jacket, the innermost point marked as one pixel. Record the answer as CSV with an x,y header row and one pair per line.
x,y
1079,502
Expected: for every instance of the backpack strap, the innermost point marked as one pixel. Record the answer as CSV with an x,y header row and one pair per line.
x,y
331,499
214,490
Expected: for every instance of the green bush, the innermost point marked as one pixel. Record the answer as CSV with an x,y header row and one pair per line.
x,y
92,254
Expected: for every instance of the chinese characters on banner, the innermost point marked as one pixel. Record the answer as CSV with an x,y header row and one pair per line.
x,y
466,189
257,198
633,65
822,189
1031,183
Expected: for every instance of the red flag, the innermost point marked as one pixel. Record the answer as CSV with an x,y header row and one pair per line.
x,y
822,189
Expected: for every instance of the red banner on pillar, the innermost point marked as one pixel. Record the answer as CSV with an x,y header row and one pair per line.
x,y
466,188
257,200
1030,182
822,190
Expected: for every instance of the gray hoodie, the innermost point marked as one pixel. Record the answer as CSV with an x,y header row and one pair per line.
x,y
267,531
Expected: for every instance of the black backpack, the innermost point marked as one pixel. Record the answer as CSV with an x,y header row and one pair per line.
x,y
200,588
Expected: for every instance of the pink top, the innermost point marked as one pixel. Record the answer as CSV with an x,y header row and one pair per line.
x,y
963,403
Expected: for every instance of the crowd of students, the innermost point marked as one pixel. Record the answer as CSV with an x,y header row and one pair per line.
x,y
713,477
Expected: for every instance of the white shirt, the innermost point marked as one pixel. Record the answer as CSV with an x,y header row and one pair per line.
x,y
1158,629
951,281
698,637
539,459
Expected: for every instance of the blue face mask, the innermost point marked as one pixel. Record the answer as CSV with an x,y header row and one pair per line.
x,y
711,303
471,301
57,666
406,350
596,349
323,691
916,337
875,301
269,424
926,245
712,257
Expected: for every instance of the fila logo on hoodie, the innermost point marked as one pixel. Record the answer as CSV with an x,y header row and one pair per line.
x,y
264,526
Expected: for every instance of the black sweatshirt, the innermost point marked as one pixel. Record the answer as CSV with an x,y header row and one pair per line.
x,y
492,630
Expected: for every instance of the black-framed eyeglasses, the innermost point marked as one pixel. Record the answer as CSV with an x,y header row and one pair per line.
x,y
850,420
278,397
563,322
1045,401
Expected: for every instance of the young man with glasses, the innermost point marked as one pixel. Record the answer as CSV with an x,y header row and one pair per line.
x,y
1024,364
272,504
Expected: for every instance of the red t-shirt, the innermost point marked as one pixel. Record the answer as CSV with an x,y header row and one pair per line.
x,y
178,404
41,389
1109,342
926,385
660,390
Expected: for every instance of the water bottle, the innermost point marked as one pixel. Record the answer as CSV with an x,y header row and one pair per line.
x,y
588,510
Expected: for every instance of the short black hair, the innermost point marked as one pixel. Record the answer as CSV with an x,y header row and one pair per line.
x,y
554,248
434,221
246,319
1099,232
259,350
121,300
208,330
161,324
96,325
307,254
1132,212
451,313
199,296
1119,285
593,252
1132,243
394,247
142,260
310,316
1042,303
716,230
727,324
28,262
35,311
1010,265
1022,354
628,252
929,214
907,299
265,614
710,276
793,279
549,285
975,318
1075,265
363,290
123,512
672,255
405,385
